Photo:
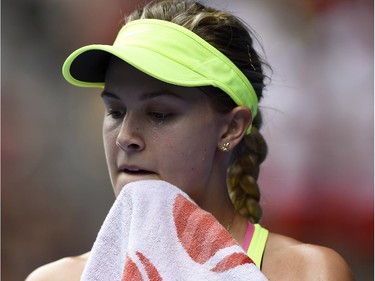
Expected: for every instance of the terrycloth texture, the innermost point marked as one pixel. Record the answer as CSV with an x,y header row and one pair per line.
x,y
155,232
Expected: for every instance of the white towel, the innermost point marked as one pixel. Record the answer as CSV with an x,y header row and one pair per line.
x,y
154,231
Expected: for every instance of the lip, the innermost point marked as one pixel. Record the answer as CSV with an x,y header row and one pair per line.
x,y
133,169
131,173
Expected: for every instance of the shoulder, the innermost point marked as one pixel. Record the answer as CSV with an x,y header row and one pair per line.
x,y
288,259
69,268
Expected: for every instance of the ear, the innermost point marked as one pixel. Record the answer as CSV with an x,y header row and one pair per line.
x,y
239,119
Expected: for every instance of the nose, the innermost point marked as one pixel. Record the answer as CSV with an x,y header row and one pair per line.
x,y
130,138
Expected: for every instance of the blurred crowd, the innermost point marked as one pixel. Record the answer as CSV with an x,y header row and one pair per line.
x,y
317,183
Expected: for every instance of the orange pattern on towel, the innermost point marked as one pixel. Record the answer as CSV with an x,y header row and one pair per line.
x,y
151,270
131,271
202,237
231,261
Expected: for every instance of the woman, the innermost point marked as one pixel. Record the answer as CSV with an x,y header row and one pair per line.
x,y
181,88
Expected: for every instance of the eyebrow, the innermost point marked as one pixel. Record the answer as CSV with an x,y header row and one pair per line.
x,y
152,95
144,96
109,95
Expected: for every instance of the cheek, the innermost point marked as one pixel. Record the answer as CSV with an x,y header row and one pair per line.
x,y
190,157
109,142
190,170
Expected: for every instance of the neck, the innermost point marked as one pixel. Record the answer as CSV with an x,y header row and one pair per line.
x,y
216,201
232,221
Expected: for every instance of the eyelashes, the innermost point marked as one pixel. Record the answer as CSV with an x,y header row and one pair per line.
x,y
160,115
157,116
116,114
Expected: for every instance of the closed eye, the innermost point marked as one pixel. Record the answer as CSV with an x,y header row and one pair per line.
x,y
160,115
116,114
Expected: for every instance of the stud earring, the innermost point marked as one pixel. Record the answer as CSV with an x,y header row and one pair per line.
x,y
225,147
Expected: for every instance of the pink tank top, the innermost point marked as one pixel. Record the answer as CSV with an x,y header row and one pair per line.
x,y
255,242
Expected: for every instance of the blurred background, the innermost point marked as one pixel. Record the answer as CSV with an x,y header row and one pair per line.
x,y
318,180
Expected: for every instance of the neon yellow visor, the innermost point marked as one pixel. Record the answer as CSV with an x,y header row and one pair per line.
x,y
167,52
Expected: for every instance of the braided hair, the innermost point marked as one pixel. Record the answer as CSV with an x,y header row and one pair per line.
x,y
230,35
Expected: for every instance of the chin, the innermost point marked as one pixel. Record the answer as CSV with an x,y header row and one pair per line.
x,y
118,187
117,191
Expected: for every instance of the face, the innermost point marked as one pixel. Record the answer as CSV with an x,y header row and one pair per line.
x,y
154,130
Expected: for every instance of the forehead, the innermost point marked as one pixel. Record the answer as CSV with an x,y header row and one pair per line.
x,y
120,72
123,79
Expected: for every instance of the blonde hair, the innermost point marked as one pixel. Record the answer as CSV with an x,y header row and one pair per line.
x,y
230,35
